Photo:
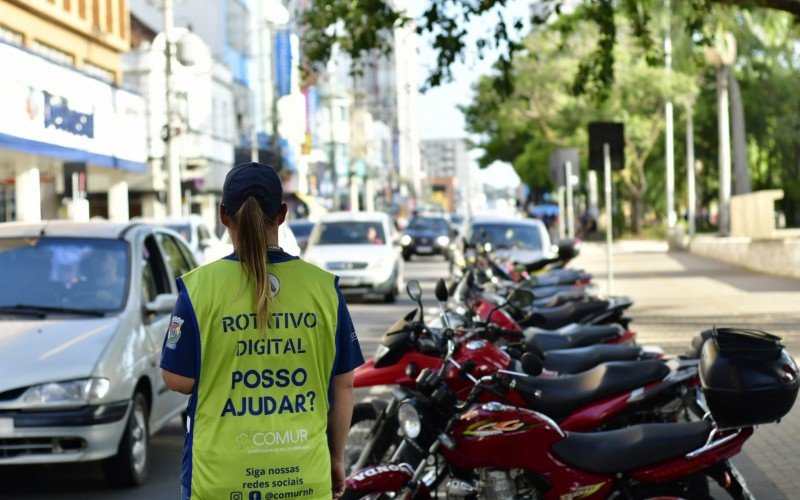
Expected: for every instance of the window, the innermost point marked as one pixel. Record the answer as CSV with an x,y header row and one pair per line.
x,y
88,274
237,22
174,257
350,233
99,72
52,53
10,36
155,280
202,230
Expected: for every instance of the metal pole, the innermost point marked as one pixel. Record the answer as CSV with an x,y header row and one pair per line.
x,y
724,152
562,228
334,176
570,205
690,170
609,221
170,152
670,147
276,139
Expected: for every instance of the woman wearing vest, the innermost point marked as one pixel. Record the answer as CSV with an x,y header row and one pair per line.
x,y
264,344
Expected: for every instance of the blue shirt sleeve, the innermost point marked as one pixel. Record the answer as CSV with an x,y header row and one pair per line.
x,y
348,350
178,354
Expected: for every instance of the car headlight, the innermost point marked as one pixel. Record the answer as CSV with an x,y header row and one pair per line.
x,y
69,393
406,240
443,241
410,423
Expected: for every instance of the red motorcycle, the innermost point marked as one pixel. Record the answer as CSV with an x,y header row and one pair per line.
x,y
491,450
611,394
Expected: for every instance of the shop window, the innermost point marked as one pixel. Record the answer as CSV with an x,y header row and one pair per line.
x,y
52,53
10,36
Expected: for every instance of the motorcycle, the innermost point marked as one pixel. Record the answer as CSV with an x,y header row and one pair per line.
x,y
609,395
474,449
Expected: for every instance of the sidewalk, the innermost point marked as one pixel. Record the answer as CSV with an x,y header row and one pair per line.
x,y
677,296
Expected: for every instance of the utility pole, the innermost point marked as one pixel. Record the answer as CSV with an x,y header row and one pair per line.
x,y
691,203
670,147
332,157
170,151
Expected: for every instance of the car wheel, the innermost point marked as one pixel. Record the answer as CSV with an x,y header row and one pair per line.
x,y
391,296
129,466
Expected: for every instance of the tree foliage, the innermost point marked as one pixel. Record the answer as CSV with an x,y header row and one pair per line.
x,y
543,114
362,27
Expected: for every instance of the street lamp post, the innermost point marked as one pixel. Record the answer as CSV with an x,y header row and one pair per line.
x,y
170,151
670,148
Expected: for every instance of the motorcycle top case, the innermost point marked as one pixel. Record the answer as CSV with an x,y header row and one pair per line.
x,y
747,377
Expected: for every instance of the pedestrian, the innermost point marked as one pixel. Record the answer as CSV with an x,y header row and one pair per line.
x,y
264,344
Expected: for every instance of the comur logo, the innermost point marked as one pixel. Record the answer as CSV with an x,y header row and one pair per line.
x,y
269,439
380,469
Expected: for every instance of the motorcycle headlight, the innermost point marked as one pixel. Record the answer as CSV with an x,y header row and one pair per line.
x,y
410,423
380,351
69,393
406,240
443,241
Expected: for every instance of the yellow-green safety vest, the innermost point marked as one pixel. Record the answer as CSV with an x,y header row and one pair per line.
x,y
260,415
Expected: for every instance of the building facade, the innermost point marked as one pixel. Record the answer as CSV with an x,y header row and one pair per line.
x,y
71,140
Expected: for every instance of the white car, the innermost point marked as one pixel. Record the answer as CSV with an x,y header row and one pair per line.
x,y
84,308
363,249
286,241
202,241
517,239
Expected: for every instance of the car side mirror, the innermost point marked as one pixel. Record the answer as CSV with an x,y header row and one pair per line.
x,y
205,243
162,304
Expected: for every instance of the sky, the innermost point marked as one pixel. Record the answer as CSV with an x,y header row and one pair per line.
x,y
440,117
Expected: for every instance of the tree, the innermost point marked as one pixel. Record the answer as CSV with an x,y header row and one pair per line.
x,y
361,27
542,114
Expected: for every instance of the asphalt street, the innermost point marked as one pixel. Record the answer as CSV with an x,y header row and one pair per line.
x,y
85,481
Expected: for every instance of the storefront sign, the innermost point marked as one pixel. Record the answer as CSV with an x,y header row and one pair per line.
x,y
56,111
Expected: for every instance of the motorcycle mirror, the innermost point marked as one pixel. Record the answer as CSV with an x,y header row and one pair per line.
x,y
441,291
414,290
521,299
531,364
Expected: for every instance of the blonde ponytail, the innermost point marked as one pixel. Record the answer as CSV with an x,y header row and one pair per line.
x,y
252,249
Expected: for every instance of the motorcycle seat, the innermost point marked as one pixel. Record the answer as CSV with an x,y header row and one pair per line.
x,y
571,312
561,396
632,447
580,337
565,361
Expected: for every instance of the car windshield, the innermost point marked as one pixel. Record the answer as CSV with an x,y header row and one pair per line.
x,y
183,229
433,224
350,233
508,236
79,274
301,229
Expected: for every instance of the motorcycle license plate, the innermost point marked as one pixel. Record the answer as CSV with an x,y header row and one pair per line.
x,y
424,249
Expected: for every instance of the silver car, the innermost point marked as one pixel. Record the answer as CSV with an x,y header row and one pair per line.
x,y
84,308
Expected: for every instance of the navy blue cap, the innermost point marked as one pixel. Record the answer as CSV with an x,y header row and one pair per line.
x,y
256,180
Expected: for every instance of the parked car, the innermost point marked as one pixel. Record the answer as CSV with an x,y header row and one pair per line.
x,y
427,235
363,249
84,311
521,240
302,230
202,241
286,241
